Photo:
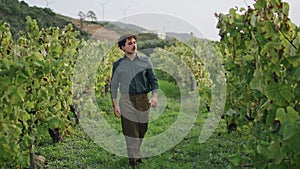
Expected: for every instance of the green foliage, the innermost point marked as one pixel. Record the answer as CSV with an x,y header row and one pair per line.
x,y
154,43
147,36
110,55
35,87
186,58
164,76
148,41
260,46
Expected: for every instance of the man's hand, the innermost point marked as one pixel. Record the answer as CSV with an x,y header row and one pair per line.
x,y
154,100
116,108
117,112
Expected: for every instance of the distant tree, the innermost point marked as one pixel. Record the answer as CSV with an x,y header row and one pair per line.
x,y
82,17
91,15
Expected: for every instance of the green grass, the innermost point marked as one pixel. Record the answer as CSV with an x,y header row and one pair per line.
x,y
78,151
170,90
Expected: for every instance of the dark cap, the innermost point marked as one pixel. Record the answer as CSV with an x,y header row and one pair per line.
x,y
122,39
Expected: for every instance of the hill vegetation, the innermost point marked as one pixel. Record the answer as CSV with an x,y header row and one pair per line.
x,y
15,12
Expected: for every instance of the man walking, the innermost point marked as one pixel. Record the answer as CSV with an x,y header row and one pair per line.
x,y
134,76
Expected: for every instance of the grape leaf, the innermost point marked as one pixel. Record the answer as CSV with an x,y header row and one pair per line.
x,y
279,93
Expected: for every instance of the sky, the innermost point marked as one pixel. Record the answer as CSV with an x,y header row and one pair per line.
x,y
182,16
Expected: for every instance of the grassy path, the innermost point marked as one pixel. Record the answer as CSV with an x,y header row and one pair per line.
x,y
78,151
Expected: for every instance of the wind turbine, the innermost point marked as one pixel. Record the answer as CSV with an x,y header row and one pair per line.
x,y
47,2
124,12
103,4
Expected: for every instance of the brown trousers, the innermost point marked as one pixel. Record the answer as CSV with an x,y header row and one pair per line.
x,y
134,117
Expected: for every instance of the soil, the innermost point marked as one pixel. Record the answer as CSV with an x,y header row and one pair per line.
x,y
97,31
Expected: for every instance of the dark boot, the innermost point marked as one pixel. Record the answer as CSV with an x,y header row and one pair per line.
x,y
133,162
139,161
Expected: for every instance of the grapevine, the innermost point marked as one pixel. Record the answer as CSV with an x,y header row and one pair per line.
x,y
261,46
36,90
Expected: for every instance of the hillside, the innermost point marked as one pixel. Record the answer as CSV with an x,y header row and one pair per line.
x,y
15,12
